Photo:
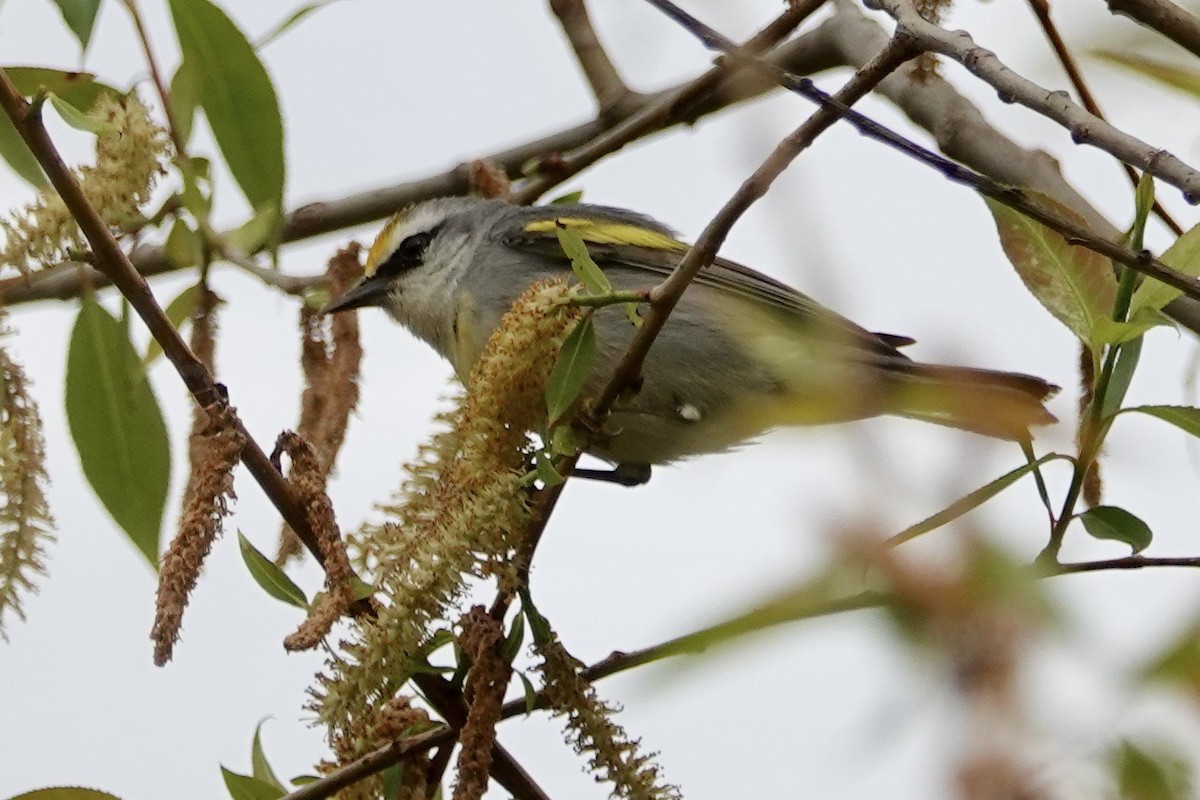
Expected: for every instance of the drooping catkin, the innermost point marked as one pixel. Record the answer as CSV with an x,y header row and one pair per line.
x,y
206,506
484,691
612,755
308,480
25,521
330,355
130,155
461,510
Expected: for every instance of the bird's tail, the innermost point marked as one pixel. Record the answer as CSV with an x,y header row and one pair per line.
x,y
1004,405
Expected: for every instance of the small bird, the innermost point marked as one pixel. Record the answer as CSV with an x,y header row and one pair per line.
x,y
740,354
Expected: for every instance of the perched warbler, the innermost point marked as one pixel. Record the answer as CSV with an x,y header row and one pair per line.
x,y
741,353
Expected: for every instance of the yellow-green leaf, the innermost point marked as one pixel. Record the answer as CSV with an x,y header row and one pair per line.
x,y
117,426
179,311
1075,284
247,787
1182,256
572,368
1177,77
259,766
585,268
77,119
273,580
184,94
1186,418
237,97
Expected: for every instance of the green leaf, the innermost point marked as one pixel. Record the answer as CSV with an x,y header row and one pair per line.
x,y
1111,522
184,94
567,199
1142,776
258,231
80,16
1182,256
1179,662
572,368
969,502
1185,418
184,247
259,766
273,580
1073,283
1143,203
1169,74
246,787
304,780
237,97
80,89
117,426
538,625
290,22
65,793
1122,376
79,120
545,470
178,311
564,441
585,268
514,639
530,692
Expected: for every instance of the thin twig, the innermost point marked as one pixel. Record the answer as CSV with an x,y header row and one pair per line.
x,y
67,280
607,86
1128,562
1077,234
1163,16
664,297
1084,128
665,108
1041,10
156,77
372,763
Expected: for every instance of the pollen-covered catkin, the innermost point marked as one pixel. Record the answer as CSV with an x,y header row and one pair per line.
x,y
460,512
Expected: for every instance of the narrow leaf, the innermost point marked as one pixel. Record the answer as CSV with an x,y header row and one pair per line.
x,y
1122,376
179,311
259,766
567,199
514,639
1169,74
545,471
80,16
256,232
185,99
237,97
79,120
117,426
1111,522
969,502
246,787
1185,418
80,89
290,22
1143,203
1073,283
585,268
572,368
273,580
530,692
183,247
1182,256
1143,776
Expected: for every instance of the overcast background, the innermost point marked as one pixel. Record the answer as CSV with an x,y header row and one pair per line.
x,y
375,92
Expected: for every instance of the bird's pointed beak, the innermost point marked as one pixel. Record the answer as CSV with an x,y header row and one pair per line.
x,y
367,292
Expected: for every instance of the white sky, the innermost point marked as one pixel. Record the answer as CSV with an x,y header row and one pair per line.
x,y
375,92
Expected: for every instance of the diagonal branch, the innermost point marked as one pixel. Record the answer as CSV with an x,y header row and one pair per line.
x,y
607,86
1163,16
1085,128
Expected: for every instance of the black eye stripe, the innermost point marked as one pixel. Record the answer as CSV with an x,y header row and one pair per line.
x,y
408,254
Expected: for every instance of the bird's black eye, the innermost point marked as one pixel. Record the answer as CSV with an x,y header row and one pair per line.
x,y
407,255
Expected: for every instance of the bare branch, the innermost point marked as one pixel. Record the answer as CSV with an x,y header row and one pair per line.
x,y
372,763
1129,562
607,86
1085,128
1041,10
1163,16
